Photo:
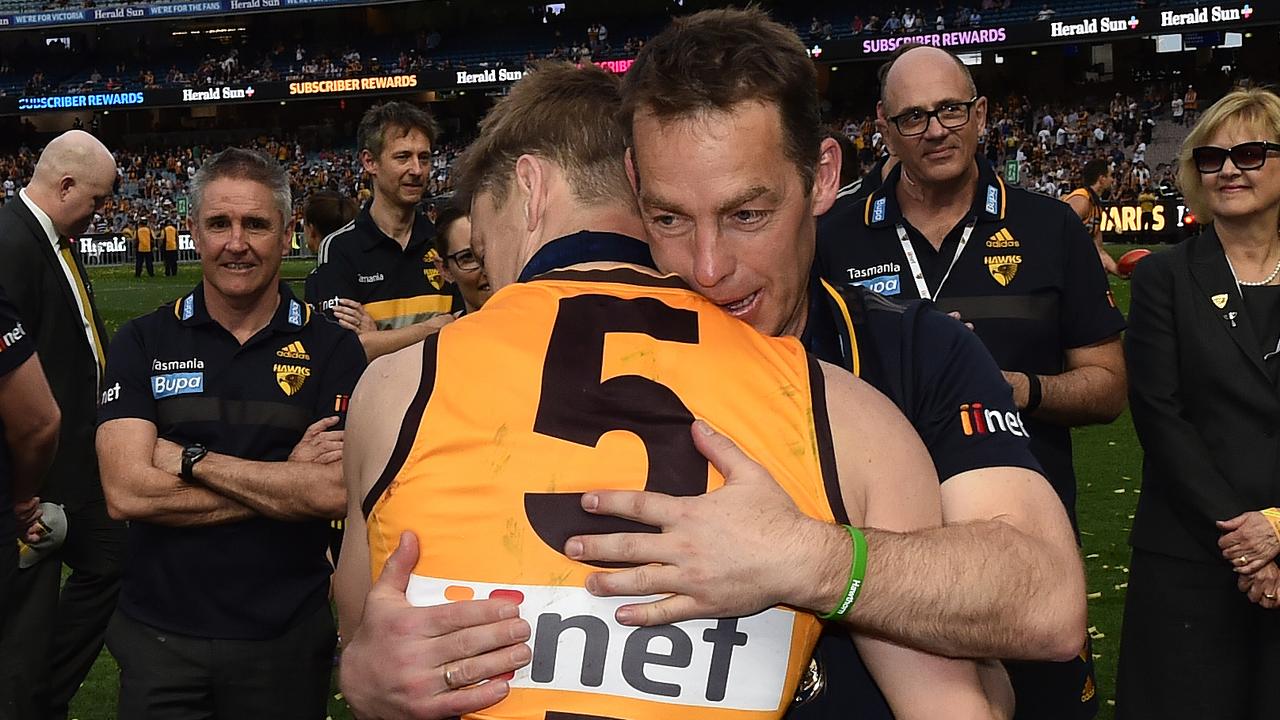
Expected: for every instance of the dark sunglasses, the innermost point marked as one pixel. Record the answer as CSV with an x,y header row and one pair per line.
x,y
1245,156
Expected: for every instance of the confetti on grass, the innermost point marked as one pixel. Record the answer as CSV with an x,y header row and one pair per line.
x,y
1094,595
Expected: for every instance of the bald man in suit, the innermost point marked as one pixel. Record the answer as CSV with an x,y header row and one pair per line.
x,y
53,634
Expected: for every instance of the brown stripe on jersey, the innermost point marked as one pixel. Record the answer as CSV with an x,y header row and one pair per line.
x,y
826,447
409,427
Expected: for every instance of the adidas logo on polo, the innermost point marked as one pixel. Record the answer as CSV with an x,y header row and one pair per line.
x,y
293,351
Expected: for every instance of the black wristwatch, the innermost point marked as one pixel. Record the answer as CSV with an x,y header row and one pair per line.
x,y
191,455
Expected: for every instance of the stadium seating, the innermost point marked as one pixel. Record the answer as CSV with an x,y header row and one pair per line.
x,y
71,72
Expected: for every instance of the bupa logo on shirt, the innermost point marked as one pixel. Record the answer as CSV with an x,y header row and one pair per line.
x,y
993,200
171,384
878,210
295,313
978,420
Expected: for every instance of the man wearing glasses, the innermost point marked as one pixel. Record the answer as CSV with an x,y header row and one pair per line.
x,y
1020,268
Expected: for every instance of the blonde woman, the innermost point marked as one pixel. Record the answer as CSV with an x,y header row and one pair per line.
x,y
1201,634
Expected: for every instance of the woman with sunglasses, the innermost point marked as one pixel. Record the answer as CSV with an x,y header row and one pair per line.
x,y
1201,634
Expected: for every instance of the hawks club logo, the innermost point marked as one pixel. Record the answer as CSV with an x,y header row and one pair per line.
x,y
291,377
431,270
1003,267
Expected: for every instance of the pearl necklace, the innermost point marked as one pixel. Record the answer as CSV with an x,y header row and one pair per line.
x,y
1265,281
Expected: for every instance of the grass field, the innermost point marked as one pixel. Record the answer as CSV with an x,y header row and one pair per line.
x,y
1108,467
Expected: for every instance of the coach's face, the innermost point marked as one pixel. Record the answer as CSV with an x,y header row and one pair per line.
x,y
241,237
925,80
726,209
400,171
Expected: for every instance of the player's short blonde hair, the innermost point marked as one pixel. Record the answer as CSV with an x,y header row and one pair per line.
x,y
559,112
1256,108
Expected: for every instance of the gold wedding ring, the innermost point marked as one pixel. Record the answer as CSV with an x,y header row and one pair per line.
x,y
1269,596
1242,560
450,680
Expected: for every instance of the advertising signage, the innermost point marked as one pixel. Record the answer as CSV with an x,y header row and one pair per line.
x,y
227,94
1093,28
153,11
74,102
346,86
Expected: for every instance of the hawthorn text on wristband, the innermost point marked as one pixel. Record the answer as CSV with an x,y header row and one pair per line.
x,y
857,572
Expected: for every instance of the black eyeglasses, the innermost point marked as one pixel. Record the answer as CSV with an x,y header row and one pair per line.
x,y
465,260
1245,156
950,115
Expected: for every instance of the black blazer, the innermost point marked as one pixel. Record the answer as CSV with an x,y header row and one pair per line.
x,y
34,281
1206,411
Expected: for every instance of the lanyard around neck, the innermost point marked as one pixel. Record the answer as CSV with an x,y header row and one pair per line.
x,y
917,273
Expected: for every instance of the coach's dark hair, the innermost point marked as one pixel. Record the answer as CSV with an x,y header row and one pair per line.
x,y
883,73
395,115
715,59
328,210
449,214
242,164
1093,170
560,112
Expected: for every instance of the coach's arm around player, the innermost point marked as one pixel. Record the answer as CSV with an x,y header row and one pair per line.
x,y
718,557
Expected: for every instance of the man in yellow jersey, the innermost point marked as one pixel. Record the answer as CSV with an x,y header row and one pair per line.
x,y
142,250
521,402
1087,202
170,256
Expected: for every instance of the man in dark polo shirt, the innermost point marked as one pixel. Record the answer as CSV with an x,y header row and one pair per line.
x,y
29,423
378,273
1019,267
219,443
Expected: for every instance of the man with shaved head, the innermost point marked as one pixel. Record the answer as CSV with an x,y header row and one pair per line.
x,y
52,636
1019,267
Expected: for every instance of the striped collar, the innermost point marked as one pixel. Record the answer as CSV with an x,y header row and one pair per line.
x,y
291,314
881,207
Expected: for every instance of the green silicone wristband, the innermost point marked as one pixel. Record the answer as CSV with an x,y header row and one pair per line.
x,y
857,572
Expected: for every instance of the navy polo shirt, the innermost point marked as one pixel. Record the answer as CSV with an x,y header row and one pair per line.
x,y
182,371
16,347
1028,280
397,286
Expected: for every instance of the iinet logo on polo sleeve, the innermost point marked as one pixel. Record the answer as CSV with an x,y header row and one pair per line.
x,y
737,664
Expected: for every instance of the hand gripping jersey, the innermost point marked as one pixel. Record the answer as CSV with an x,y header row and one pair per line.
x,y
577,381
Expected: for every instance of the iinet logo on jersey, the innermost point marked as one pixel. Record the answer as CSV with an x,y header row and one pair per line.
x,y
735,664
977,420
